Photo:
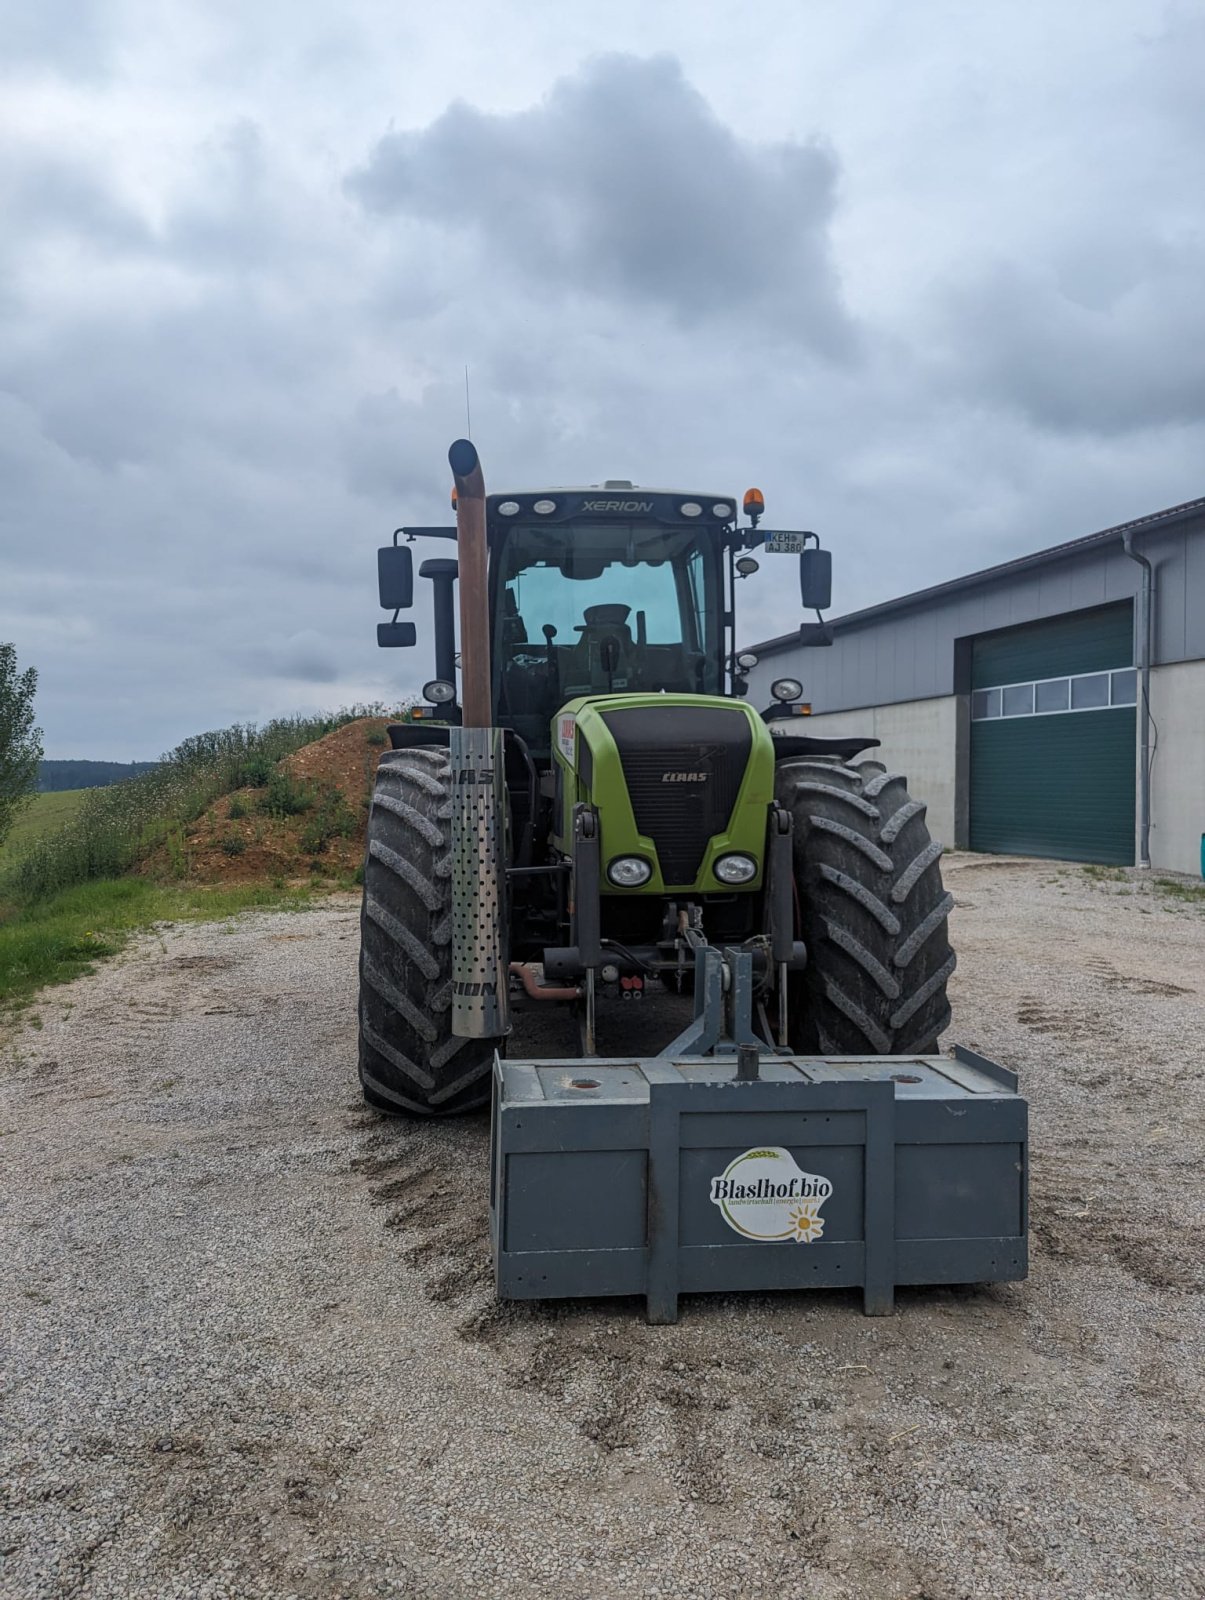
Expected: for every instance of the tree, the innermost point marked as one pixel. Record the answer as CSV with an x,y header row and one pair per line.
x,y
20,740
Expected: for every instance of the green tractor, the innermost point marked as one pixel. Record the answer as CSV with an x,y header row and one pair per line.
x,y
597,802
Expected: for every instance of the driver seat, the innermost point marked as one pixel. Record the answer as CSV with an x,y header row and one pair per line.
x,y
603,624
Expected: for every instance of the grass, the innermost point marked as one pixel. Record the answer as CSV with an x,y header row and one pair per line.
x,y
44,814
1177,889
1182,890
61,937
114,828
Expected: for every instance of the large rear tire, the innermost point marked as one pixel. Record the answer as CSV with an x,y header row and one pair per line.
x,y
873,913
410,1060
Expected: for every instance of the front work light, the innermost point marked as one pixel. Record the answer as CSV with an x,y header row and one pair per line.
x,y
784,689
629,872
439,691
735,869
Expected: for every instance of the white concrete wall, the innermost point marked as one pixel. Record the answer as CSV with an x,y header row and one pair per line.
x,y
1178,775
918,739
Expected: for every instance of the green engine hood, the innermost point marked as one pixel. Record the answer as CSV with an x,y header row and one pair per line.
x,y
679,779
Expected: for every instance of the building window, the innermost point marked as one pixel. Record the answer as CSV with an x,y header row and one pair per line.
x,y
1091,692
1088,691
1053,695
1018,700
1125,687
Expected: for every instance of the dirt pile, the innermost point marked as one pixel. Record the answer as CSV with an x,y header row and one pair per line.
x,y
303,817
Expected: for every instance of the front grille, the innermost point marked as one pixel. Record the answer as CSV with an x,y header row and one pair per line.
x,y
681,815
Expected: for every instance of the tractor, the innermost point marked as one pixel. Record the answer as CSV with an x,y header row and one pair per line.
x,y
586,802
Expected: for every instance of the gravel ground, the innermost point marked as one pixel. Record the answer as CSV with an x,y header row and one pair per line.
x,y
250,1347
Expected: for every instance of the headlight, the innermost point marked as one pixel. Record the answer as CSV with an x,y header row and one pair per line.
x,y
629,872
735,869
786,689
439,692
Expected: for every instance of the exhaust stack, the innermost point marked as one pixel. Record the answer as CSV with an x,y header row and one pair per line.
x,y
480,968
474,594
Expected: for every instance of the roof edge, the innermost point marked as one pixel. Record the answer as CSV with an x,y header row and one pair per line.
x,y
1039,558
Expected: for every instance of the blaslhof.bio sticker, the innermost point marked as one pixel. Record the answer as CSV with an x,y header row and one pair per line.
x,y
566,729
765,1196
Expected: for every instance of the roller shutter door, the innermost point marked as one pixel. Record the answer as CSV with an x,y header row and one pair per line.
x,y
1052,738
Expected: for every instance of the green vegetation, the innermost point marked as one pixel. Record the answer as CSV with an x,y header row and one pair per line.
x,y
377,737
333,819
44,814
1179,889
117,827
256,770
20,740
65,897
62,936
284,797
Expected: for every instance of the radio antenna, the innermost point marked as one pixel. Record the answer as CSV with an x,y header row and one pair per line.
x,y
468,415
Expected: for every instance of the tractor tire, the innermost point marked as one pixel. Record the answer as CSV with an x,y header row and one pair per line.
x,y
873,913
410,1060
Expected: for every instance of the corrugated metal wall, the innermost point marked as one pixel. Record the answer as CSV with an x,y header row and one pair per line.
x,y
910,655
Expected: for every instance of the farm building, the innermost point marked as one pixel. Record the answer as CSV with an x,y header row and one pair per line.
x,y
1013,698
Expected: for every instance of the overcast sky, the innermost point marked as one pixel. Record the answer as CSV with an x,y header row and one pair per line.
x,y
929,274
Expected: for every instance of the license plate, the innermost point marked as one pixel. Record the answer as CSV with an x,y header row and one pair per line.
x,y
784,544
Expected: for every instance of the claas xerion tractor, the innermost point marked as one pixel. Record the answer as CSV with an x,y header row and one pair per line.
x,y
596,803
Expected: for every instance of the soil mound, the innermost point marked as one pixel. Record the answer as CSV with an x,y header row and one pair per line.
x,y
306,819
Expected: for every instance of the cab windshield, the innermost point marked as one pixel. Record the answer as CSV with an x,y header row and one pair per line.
x,y
606,608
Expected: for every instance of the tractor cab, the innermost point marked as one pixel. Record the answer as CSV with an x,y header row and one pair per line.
x,y
602,594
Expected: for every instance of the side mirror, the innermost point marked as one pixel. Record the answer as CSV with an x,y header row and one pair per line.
x,y
396,635
816,579
395,578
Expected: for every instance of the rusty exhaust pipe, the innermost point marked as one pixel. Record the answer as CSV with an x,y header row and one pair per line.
x,y
529,974
474,594
480,987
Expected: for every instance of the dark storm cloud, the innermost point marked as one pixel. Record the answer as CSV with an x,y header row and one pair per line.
x,y
623,183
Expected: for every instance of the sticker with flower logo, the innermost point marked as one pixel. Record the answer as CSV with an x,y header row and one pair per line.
x,y
764,1195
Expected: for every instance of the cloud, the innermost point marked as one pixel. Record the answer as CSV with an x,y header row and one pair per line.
x,y
624,184
73,37
304,657
925,286
1109,346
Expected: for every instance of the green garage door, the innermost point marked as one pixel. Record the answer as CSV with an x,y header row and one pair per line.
x,y
1052,738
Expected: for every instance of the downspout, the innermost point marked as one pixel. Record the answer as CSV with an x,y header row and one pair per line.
x,y
1145,605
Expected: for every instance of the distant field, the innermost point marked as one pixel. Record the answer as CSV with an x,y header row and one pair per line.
x,y
44,814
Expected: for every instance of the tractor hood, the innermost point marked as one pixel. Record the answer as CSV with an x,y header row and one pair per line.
x,y
678,780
